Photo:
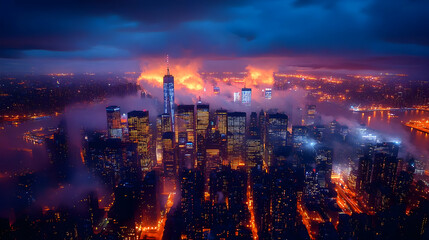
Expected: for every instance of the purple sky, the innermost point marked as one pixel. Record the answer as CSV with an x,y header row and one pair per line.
x,y
98,36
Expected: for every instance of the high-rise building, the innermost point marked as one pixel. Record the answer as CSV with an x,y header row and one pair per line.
x,y
364,173
236,96
201,132
277,129
284,201
169,161
185,122
158,147
323,165
169,96
253,152
246,96
389,148
139,132
202,119
268,93
299,135
59,153
185,153
261,189
150,199
236,138
166,125
191,203
253,125
384,169
114,129
222,121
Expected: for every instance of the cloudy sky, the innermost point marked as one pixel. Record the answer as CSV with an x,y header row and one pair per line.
x,y
114,35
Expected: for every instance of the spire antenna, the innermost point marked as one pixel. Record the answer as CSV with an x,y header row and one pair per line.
x,y
168,65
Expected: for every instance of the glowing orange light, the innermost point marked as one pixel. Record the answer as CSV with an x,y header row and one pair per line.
x,y
185,74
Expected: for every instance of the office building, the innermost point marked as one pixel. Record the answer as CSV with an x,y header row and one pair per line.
x,y
139,132
114,128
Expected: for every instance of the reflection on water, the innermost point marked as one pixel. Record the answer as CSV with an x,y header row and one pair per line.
x,y
394,119
78,116
387,122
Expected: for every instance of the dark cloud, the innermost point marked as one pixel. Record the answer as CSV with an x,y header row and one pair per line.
x,y
116,30
401,21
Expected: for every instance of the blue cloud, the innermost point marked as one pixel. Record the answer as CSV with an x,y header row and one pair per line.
x,y
351,30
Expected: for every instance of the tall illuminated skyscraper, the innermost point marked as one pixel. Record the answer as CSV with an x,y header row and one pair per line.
x,y
169,161
201,132
163,125
185,122
236,138
158,143
114,129
246,96
138,125
202,119
277,129
253,152
221,121
169,95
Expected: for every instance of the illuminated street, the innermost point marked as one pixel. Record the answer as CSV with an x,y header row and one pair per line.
x,y
157,231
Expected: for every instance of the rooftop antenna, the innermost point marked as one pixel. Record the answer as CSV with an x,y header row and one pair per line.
x,y
168,66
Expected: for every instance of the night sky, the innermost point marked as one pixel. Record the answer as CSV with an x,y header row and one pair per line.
x,y
71,35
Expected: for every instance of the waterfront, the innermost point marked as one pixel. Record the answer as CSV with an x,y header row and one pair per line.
x,y
28,156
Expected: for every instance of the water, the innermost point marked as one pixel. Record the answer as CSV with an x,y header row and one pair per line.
x,y
413,141
18,155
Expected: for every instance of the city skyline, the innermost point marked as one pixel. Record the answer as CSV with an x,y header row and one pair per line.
x,y
201,120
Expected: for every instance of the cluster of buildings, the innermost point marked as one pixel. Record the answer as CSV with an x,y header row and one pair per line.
x,y
201,173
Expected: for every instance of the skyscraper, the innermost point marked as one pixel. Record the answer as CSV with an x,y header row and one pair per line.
x,y
202,119
169,161
323,165
268,93
166,125
114,129
185,122
277,129
246,96
169,95
236,96
276,135
253,152
138,124
236,138
192,196
253,125
150,199
221,121
201,132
